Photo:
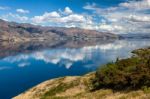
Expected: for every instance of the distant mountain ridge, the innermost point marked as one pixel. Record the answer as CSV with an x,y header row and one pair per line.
x,y
135,36
11,31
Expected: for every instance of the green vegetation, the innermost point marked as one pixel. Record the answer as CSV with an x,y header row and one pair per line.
x,y
130,73
124,79
61,87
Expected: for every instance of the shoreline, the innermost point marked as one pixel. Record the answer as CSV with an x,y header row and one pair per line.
x,y
76,87
123,79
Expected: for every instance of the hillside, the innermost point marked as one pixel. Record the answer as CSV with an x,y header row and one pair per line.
x,y
77,88
17,32
124,79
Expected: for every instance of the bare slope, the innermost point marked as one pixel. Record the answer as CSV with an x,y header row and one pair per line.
x,y
11,31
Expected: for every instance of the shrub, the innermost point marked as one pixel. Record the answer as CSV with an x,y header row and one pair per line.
x,y
146,89
132,73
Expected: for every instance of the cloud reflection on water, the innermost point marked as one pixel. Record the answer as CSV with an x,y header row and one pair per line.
x,y
67,57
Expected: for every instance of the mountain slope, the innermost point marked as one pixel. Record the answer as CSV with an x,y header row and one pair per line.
x,y
11,31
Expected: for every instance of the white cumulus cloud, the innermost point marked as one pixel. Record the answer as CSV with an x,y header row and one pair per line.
x,y
22,11
15,17
127,17
68,10
4,8
56,17
46,17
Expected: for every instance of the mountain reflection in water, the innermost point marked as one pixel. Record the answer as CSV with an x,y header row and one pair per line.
x,y
24,66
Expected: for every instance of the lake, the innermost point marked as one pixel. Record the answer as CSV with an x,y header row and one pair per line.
x,y
24,67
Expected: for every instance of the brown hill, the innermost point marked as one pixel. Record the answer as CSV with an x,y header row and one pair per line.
x,y
11,31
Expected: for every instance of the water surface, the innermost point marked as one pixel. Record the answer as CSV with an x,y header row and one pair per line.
x,y
21,69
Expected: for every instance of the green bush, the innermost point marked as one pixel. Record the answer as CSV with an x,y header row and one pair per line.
x,y
146,89
131,73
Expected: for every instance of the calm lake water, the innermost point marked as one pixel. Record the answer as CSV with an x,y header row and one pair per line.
x,y
23,70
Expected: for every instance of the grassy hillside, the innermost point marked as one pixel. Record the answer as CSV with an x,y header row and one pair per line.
x,y
123,79
132,73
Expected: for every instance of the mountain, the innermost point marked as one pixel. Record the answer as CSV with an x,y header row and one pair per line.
x,y
12,49
17,32
135,36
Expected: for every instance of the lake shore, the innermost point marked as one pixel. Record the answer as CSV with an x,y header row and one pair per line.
x,y
123,79
77,87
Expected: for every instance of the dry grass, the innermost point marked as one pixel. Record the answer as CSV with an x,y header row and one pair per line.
x,y
76,88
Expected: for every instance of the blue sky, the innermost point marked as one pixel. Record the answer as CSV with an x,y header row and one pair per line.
x,y
118,16
40,6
